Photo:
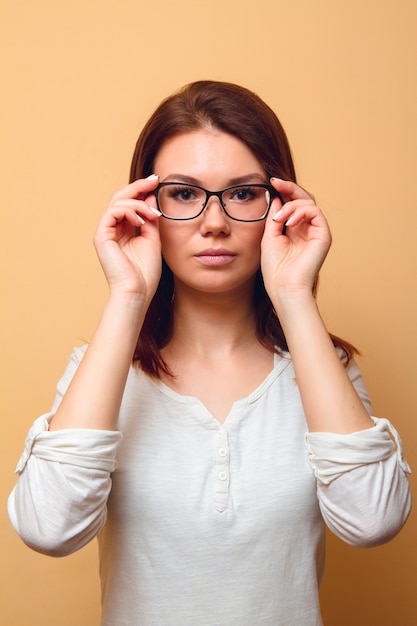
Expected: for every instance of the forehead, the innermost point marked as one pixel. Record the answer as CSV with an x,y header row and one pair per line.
x,y
204,152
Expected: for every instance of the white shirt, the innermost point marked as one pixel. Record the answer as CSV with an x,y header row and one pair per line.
x,y
209,524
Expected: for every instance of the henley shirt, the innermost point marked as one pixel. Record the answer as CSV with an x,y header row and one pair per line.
x,y
208,524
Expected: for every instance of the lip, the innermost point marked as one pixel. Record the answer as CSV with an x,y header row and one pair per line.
x,y
215,256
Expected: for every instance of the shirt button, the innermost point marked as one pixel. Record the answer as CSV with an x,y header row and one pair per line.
x,y
223,475
222,451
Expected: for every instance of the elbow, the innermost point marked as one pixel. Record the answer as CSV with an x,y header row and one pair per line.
x,y
51,533
371,532
372,523
380,529
57,509
54,546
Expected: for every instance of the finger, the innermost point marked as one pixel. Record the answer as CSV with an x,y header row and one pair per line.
x,y
306,217
290,190
275,223
139,188
116,215
141,207
299,207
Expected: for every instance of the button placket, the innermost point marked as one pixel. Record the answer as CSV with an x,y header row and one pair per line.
x,y
221,470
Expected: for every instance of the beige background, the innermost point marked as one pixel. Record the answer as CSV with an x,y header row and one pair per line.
x,y
79,80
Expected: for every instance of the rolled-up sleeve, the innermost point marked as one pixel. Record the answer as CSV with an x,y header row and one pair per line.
x,y
362,482
59,502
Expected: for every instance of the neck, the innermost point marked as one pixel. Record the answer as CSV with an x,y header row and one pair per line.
x,y
213,325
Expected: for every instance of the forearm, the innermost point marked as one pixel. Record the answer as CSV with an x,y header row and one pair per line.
x,y
94,396
330,401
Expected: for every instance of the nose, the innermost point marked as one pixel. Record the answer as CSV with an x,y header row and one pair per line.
x,y
214,219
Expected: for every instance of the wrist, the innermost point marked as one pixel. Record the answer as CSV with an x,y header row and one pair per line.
x,y
293,300
125,313
129,298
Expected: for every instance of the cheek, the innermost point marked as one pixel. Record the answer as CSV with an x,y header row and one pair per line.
x,y
254,236
166,233
173,240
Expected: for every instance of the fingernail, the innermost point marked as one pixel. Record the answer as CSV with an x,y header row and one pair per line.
x,y
277,215
289,220
141,220
152,177
155,211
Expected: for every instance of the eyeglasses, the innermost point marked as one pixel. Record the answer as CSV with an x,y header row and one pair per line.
x,y
244,203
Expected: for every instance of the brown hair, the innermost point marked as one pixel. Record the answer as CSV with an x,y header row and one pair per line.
x,y
240,112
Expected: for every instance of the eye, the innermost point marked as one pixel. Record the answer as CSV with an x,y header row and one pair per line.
x,y
244,194
183,193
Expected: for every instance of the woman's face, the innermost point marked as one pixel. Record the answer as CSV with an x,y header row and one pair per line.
x,y
210,253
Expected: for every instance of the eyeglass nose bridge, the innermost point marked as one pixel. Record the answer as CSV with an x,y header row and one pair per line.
x,y
219,196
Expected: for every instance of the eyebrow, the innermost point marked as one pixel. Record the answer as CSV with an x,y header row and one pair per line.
x,y
238,180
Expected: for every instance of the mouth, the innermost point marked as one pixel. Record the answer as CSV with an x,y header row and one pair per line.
x,y
215,256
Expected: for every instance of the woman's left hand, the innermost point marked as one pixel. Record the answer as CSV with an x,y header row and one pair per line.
x,y
290,262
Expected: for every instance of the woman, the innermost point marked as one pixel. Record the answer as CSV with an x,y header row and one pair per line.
x,y
209,468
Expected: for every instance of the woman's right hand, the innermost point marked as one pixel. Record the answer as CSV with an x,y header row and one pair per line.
x,y
131,261
127,241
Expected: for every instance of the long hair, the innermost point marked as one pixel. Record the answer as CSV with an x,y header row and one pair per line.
x,y
239,112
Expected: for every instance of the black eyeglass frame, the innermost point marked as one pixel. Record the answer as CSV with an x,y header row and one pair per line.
x,y
273,193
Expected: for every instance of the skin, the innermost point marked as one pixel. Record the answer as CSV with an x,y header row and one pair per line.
x,y
213,314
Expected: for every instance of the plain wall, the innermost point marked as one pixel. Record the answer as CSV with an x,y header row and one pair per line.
x,y
79,80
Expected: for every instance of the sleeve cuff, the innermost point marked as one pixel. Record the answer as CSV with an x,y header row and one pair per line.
x,y
331,455
88,448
